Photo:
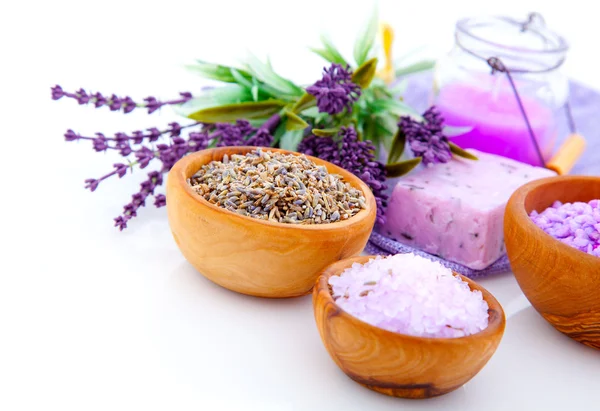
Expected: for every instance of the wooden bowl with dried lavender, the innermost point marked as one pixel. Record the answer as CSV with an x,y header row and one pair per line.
x,y
406,326
266,222
553,244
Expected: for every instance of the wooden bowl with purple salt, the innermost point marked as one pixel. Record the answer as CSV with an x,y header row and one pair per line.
x,y
554,253
259,255
412,344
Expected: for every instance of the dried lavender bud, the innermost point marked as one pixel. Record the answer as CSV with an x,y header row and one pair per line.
x,y
255,180
358,157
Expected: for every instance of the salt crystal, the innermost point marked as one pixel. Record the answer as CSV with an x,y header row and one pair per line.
x,y
575,224
410,295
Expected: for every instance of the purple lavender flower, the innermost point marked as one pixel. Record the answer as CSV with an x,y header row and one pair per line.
x,y
152,104
167,153
121,169
71,136
99,100
160,200
128,104
426,139
138,137
262,138
154,134
175,129
121,223
82,97
124,149
115,103
91,184
335,91
358,157
57,92
100,143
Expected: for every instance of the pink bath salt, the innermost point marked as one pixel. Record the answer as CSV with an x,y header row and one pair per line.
x,y
575,224
408,294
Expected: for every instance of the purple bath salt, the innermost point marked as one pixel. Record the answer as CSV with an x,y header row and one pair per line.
x,y
575,224
408,294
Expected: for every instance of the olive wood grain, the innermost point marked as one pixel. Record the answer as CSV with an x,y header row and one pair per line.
x,y
396,364
257,257
561,282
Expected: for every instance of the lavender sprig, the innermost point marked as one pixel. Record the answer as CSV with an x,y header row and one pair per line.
x,y
115,103
426,139
167,154
335,91
358,157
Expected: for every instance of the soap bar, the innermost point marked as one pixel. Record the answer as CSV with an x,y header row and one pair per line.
x,y
455,210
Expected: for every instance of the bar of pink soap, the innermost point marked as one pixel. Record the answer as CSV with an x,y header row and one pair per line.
x,y
456,210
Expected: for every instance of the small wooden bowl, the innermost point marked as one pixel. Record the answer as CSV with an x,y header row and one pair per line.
x,y
561,282
258,257
397,364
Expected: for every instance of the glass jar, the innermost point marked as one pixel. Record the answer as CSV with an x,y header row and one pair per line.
x,y
482,102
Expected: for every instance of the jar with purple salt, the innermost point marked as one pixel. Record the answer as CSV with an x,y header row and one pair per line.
x,y
575,224
410,295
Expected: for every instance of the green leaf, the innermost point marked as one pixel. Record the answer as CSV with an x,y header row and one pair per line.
x,y
396,107
290,140
365,42
216,71
264,72
402,168
304,102
456,150
415,68
365,73
294,122
329,52
232,112
229,94
325,132
279,131
397,147
241,79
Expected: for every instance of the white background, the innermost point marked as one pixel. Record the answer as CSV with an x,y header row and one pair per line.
x,y
94,319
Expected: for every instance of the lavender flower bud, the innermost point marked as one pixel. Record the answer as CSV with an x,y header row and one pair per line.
x,y
121,223
99,100
91,184
160,200
175,129
82,97
128,105
138,199
121,169
114,103
57,92
71,136
100,143
154,134
138,137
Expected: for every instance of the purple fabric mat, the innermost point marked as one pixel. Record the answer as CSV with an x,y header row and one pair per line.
x,y
585,106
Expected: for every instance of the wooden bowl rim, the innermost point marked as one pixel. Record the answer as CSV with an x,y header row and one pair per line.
x,y
516,206
178,172
495,324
